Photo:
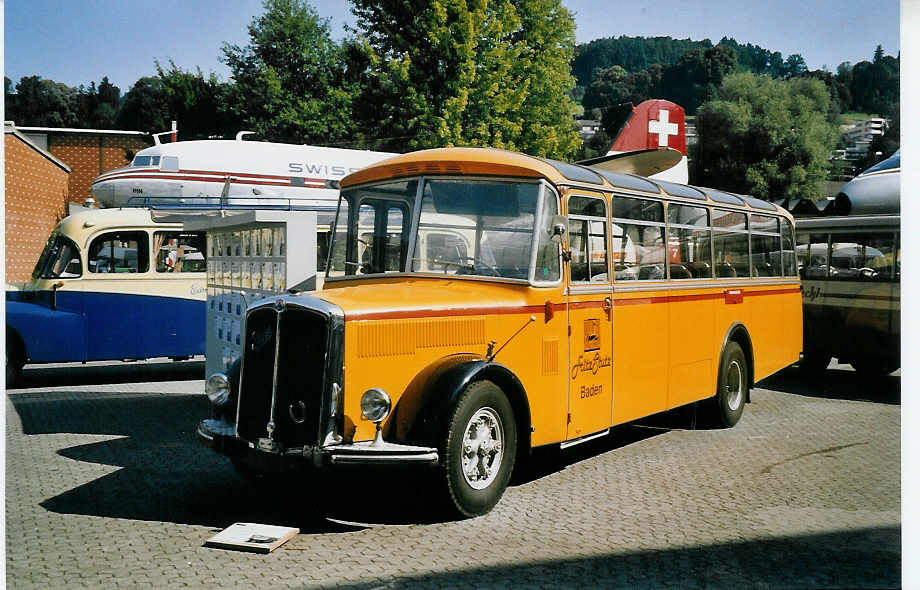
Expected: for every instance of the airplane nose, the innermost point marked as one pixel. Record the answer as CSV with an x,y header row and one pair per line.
x,y
104,193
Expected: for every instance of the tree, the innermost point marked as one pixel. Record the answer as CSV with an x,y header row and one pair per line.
x,y
144,108
794,66
99,106
196,103
467,72
697,76
44,103
611,86
765,137
290,80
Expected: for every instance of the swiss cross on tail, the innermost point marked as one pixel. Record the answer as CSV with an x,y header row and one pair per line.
x,y
652,143
653,124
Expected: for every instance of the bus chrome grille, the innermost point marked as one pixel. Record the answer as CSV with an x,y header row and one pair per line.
x,y
280,407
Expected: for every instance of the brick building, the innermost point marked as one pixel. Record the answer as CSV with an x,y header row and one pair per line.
x,y
48,172
36,199
88,152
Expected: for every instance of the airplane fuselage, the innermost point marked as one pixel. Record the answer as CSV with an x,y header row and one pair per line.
x,y
239,172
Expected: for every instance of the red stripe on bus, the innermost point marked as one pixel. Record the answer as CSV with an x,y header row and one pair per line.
x,y
540,309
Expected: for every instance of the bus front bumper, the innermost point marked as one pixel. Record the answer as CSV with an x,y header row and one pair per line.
x,y
220,436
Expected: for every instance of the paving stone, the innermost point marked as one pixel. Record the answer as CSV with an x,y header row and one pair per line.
x,y
106,487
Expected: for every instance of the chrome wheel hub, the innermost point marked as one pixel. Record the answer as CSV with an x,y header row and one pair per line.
x,y
483,446
734,386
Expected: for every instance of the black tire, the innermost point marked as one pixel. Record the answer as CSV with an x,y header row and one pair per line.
x,y
814,362
873,367
482,414
15,361
726,407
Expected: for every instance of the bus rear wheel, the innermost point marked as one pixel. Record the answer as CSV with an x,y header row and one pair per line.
x,y
869,366
726,407
814,362
478,449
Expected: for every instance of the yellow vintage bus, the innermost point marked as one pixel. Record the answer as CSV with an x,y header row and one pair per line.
x,y
503,302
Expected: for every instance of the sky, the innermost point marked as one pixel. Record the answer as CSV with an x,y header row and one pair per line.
x,y
80,41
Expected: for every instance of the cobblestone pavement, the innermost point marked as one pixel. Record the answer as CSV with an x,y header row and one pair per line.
x,y
106,487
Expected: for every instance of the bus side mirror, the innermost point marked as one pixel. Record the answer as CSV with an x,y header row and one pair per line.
x,y
54,289
559,227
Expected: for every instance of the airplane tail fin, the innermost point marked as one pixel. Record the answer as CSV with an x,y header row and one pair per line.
x,y
652,142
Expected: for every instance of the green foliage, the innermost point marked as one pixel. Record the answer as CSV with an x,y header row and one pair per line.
x,y
43,103
635,54
144,107
765,137
466,72
290,81
630,53
197,103
876,85
693,79
594,147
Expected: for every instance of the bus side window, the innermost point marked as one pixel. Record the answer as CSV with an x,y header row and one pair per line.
x,y
862,256
788,256
588,239
730,243
638,239
179,251
766,247
119,252
812,254
367,221
689,242
547,264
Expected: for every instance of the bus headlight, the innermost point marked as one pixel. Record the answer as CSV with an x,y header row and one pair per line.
x,y
375,405
218,389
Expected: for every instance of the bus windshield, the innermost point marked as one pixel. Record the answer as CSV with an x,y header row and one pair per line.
x,y
461,227
59,260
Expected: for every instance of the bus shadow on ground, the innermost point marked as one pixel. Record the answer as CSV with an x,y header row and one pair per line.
x,y
837,382
855,558
34,376
166,476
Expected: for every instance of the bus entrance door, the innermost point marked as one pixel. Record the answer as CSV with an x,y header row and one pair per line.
x,y
590,297
590,371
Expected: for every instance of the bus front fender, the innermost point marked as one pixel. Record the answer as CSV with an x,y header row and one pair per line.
x,y
47,335
422,412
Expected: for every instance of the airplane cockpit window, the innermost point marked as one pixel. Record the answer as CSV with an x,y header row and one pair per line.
x,y
170,164
146,161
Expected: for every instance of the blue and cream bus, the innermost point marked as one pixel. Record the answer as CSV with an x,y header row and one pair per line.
x,y
110,284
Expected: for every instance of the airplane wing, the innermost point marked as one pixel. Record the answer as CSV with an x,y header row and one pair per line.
x,y
641,162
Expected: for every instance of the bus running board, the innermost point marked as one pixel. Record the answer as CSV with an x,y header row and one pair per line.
x,y
586,438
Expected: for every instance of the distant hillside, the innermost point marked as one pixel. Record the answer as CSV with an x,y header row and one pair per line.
x,y
638,53
632,53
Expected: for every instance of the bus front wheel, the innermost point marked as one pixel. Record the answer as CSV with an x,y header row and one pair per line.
x,y
15,360
478,449
727,405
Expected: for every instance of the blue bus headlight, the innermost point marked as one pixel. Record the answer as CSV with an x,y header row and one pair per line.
x,y
375,405
218,389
